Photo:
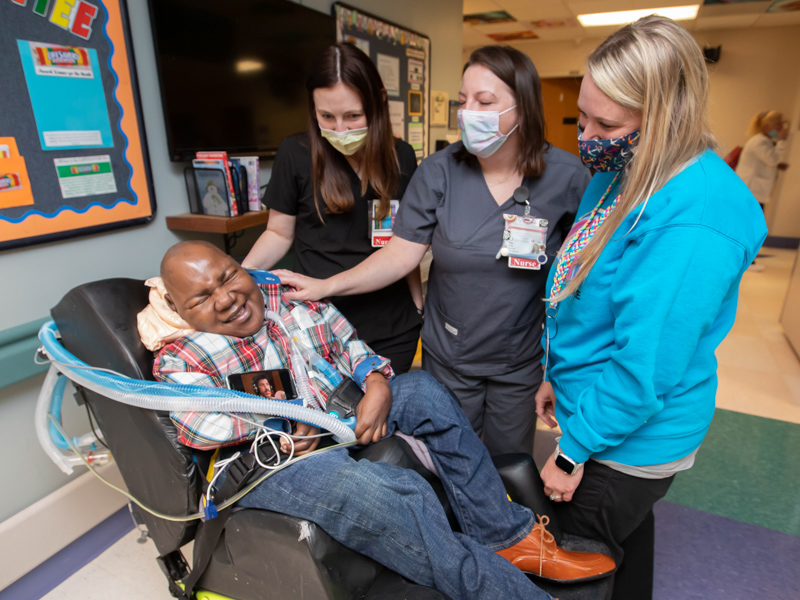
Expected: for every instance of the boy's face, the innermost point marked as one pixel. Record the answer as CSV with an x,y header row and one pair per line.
x,y
213,293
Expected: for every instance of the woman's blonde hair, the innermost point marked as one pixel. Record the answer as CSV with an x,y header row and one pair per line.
x,y
656,67
757,122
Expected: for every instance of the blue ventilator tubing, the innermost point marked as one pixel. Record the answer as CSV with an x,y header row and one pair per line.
x,y
156,396
330,373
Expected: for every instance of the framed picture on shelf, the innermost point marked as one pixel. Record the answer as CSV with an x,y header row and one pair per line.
x,y
208,192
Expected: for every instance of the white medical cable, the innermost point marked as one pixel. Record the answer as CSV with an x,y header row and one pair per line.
x,y
197,515
267,434
219,467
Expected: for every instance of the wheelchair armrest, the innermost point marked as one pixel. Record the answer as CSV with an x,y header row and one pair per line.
x,y
523,484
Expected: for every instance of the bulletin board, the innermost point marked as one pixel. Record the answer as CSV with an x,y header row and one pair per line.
x,y
73,154
403,58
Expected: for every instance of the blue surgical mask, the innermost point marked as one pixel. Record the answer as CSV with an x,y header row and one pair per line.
x,y
610,155
480,131
773,134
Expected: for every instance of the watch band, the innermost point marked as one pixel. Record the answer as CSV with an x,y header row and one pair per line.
x,y
565,463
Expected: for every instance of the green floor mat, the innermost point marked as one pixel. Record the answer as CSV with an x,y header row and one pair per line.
x,y
746,470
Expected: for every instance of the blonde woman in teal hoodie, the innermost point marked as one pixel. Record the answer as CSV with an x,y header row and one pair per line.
x,y
644,290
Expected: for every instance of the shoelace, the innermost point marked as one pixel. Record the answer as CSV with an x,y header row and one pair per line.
x,y
544,537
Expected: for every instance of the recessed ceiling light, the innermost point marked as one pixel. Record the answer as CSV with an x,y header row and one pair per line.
x,y
249,66
623,17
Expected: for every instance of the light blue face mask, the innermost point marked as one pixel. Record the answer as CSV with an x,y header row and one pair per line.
x,y
773,134
480,131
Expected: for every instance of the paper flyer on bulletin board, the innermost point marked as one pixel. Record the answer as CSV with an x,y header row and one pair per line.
x,y
403,59
73,155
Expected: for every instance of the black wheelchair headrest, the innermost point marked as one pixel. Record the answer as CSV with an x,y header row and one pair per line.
x,y
97,322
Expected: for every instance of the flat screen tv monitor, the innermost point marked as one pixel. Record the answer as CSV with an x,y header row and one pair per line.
x,y
233,72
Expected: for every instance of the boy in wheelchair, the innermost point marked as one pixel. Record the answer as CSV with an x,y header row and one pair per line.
x,y
385,512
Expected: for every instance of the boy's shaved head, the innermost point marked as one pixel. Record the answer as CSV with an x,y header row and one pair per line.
x,y
211,291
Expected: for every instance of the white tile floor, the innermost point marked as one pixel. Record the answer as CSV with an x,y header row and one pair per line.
x,y
126,571
759,374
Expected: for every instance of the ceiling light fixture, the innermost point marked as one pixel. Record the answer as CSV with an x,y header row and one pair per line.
x,y
248,65
623,17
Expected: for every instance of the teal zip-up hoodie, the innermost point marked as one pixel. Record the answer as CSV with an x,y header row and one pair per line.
x,y
631,356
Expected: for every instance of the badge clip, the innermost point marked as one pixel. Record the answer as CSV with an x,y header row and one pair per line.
x,y
524,237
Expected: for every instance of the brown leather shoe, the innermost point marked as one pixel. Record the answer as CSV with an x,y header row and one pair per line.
x,y
538,554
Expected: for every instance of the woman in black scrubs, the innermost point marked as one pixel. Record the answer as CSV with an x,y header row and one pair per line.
x,y
321,193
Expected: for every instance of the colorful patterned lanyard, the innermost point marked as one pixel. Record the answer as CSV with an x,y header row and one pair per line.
x,y
579,240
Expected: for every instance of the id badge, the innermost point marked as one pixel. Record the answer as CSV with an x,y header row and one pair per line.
x,y
381,231
524,241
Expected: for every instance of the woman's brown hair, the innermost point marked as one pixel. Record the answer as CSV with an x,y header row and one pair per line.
x,y
347,64
516,70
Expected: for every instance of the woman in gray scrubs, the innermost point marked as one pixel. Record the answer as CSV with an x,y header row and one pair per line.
x,y
494,208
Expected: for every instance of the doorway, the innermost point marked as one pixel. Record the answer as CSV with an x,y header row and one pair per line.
x,y
560,99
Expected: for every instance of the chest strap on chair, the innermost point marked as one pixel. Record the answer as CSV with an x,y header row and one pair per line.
x,y
239,473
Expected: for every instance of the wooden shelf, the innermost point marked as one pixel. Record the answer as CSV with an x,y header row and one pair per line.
x,y
210,224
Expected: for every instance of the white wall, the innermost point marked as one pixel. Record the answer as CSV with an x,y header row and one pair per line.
x,y
759,70
35,278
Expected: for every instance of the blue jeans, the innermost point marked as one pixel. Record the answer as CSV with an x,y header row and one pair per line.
x,y
392,515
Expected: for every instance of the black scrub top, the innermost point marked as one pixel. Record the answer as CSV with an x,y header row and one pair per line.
x,y
343,240
483,318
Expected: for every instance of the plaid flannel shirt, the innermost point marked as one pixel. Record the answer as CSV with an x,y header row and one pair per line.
x,y
208,359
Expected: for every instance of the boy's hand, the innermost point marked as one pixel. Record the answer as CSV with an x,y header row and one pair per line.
x,y
302,446
372,411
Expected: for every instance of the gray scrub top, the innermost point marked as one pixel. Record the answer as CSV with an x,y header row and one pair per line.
x,y
483,318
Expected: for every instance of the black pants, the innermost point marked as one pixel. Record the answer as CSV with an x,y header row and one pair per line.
x,y
500,408
399,350
618,509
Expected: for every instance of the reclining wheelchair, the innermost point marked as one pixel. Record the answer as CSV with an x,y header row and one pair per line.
x,y
259,554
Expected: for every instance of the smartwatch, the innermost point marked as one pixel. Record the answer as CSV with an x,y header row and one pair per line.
x,y
565,463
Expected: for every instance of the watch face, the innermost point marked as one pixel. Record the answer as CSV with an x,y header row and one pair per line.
x,y
565,464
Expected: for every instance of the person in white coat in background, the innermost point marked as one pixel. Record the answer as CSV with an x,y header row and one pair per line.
x,y
762,157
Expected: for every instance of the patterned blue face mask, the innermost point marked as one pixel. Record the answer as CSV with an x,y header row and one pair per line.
x,y
607,155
